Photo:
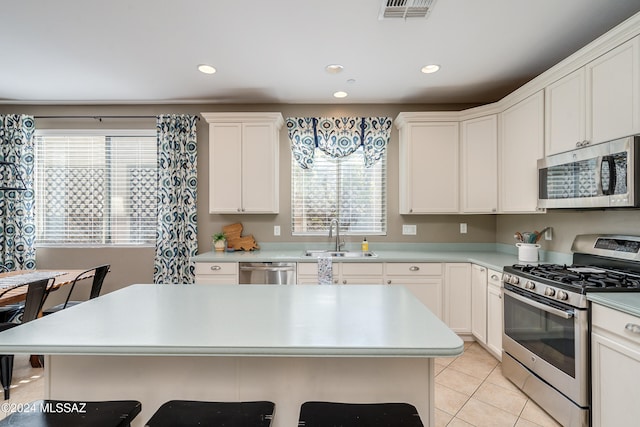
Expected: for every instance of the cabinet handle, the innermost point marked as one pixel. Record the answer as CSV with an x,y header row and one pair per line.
x,y
335,281
414,268
411,210
388,282
238,209
633,328
344,282
494,277
215,268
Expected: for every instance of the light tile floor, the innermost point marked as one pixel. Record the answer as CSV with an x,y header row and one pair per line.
x,y
470,391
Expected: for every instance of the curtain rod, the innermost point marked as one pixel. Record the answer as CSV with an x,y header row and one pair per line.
x,y
99,117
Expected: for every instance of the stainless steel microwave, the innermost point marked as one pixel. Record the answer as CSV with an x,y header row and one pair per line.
x,y
604,175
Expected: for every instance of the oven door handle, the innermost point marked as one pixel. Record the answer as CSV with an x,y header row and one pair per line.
x,y
544,307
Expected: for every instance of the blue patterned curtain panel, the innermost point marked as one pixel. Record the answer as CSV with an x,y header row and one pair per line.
x,y
17,215
176,237
338,137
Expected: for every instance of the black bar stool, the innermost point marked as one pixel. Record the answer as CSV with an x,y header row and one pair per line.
x,y
65,413
187,413
329,414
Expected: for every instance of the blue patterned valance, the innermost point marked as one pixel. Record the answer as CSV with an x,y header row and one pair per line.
x,y
338,137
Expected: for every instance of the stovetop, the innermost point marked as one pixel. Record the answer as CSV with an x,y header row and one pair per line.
x,y
580,278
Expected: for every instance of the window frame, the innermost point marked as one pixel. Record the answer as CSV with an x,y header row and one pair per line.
x,y
384,210
139,132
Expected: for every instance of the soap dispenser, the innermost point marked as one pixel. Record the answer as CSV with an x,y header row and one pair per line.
x,y
365,245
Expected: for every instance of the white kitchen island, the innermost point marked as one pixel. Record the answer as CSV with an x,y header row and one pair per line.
x,y
286,344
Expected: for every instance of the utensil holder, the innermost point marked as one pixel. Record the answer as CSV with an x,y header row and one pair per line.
x,y
528,252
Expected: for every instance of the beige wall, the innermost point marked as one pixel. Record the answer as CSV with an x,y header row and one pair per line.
x,y
567,224
131,265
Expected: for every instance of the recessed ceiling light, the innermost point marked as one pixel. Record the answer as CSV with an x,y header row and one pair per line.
x,y
207,69
428,69
333,68
340,94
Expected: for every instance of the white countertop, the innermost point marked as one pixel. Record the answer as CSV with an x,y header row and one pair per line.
x,y
247,320
494,256
627,302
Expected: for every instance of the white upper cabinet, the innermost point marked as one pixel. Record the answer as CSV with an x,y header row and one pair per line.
x,y
565,113
596,103
429,166
479,155
521,144
243,162
613,98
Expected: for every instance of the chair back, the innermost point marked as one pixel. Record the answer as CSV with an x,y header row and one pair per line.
x,y
98,279
99,273
36,295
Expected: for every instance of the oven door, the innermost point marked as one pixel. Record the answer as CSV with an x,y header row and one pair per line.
x,y
550,339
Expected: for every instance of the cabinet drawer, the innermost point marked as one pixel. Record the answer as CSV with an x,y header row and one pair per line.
x,y
616,322
216,268
494,277
361,269
414,268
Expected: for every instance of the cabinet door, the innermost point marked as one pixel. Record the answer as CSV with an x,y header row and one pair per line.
x,y
260,169
457,297
427,290
429,182
225,167
479,145
494,320
613,100
565,112
479,302
521,145
616,375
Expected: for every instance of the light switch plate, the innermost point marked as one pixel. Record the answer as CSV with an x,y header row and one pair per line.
x,y
409,230
548,235
276,230
463,228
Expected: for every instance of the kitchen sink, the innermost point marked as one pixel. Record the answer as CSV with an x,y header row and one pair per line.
x,y
339,254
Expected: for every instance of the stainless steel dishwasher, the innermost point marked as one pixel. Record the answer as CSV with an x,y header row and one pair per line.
x,y
267,273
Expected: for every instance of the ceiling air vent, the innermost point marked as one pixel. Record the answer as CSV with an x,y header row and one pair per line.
x,y
405,9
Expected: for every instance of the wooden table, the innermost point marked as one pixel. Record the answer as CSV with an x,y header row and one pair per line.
x,y
287,344
19,294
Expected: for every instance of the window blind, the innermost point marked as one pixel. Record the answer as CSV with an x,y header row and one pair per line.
x,y
95,189
339,188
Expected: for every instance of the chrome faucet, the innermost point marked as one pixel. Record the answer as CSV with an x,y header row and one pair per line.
x,y
338,242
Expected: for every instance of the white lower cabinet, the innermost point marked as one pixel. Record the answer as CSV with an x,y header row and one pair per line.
x,y
216,273
494,313
351,273
615,358
424,280
486,308
479,303
457,297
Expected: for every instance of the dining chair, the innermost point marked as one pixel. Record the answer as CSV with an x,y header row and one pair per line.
x,y
36,295
99,273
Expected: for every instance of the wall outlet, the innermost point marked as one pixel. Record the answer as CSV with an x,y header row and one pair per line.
x,y
463,228
548,235
409,230
276,230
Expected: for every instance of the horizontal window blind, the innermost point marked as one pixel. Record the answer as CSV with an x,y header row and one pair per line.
x,y
339,188
95,189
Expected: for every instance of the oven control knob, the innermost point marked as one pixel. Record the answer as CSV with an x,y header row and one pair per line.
x,y
562,295
549,292
514,280
530,285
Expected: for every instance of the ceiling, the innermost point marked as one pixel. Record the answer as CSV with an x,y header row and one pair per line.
x,y
276,51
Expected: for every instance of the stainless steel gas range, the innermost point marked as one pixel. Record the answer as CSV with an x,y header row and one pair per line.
x,y
546,321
